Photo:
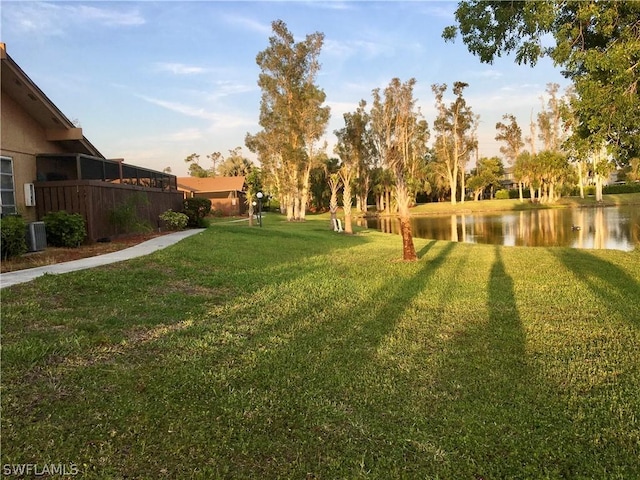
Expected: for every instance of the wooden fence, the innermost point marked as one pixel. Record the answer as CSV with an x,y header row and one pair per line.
x,y
101,202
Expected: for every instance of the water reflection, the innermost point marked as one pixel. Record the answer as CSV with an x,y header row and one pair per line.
x,y
590,228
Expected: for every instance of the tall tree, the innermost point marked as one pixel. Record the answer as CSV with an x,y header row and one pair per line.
x,y
550,119
355,149
291,115
511,135
195,170
596,43
453,126
397,129
216,158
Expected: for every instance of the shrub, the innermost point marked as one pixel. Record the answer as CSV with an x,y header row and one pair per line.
x,y
64,229
174,220
502,195
196,208
621,188
125,216
13,231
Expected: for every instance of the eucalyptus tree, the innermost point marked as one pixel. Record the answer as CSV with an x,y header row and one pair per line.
x,y
355,148
550,119
292,115
215,157
397,130
510,134
597,44
453,127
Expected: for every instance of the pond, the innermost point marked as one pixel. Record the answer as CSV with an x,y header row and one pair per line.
x,y
615,228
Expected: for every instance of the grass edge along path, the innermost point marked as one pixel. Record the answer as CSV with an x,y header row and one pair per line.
x,y
290,351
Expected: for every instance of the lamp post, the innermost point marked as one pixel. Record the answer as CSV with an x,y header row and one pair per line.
x,y
259,195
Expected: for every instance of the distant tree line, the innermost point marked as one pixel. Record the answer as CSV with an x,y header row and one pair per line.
x,y
384,151
235,164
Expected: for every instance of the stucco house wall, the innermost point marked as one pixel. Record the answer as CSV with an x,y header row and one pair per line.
x,y
22,138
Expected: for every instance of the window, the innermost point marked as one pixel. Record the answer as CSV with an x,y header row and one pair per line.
x,y
7,194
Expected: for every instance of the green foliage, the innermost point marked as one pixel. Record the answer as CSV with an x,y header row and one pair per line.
x,y
596,43
175,220
622,188
197,208
125,217
65,229
13,236
502,195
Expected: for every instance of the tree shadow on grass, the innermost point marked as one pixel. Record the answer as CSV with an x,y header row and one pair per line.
x,y
495,403
617,289
329,366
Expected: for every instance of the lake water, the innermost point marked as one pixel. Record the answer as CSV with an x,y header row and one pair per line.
x,y
590,228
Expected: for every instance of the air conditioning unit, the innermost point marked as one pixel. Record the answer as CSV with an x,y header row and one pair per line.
x,y
29,195
36,236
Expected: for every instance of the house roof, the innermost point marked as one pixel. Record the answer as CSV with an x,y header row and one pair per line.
x,y
211,184
58,128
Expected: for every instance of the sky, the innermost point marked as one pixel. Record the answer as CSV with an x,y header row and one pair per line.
x,y
153,82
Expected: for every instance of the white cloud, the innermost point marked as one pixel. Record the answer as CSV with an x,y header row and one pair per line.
x,y
106,16
55,19
488,73
181,108
350,48
218,120
247,23
227,88
180,68
185,135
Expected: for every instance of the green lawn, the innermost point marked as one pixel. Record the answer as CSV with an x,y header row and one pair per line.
x,y
290,351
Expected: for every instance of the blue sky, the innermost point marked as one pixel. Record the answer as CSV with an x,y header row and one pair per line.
x,y
153,82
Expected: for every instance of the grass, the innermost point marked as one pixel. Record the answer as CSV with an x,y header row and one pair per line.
x,y
290,351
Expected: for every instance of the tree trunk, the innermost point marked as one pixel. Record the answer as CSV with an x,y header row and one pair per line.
x,y
402,199
520,192
408,249
580,179
250,213
599,182
290,208
346,205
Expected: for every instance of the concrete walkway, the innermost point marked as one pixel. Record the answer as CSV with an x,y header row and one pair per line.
x,y
145,248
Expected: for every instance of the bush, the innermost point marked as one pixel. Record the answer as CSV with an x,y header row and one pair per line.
x,y
502,195
196,208
621,188
64,229
125,216
13,231
174,220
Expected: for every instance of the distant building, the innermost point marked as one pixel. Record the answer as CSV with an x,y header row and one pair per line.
x,y
227,194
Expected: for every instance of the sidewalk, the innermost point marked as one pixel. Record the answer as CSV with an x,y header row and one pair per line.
x,y
13,278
